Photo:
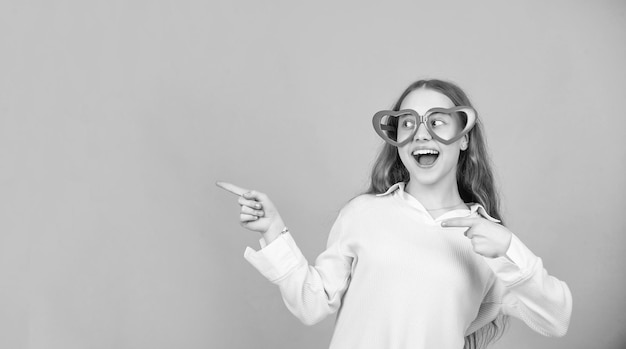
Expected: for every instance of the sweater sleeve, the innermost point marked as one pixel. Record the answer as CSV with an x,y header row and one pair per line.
x,y
523,288
310,292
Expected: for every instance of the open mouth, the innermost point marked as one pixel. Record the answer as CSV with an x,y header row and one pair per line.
x,y
426,157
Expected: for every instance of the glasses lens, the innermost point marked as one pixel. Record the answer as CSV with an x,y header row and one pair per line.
x,y
447,126
398,128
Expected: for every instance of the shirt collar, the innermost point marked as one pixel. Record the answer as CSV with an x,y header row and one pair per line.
x,y
399,185
398,189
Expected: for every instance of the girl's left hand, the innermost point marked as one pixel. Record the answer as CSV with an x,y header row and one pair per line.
x,y
489,239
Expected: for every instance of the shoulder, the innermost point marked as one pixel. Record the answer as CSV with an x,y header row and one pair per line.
x,y
363,204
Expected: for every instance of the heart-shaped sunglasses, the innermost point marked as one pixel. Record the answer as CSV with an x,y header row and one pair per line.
x,y
445,125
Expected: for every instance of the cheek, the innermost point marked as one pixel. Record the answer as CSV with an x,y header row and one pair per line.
x,y
453,152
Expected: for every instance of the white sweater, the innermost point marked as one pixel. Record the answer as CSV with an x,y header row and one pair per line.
x,y
400,280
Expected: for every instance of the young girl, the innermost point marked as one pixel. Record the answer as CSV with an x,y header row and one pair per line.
x,y
421,260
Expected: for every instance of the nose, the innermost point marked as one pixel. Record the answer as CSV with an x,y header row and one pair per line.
x,y
422,133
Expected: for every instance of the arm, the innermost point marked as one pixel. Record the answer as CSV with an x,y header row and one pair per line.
x,y
526,290
521,286
309,292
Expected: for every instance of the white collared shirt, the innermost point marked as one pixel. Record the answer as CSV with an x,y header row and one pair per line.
x,y
400,280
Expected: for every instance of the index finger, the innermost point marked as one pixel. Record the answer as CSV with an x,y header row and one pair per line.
x,y
232,188
458,222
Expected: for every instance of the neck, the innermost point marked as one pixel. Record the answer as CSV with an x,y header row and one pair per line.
x,y
442,195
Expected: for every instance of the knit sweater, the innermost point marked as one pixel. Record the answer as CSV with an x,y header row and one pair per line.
x,y
400,280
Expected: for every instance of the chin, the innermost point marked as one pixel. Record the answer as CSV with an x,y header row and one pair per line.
x,y
433,175
426,178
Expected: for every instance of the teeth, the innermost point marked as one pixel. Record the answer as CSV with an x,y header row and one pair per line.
x,y
425,151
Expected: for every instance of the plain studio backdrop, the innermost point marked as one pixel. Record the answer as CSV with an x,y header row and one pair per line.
x,y
117,117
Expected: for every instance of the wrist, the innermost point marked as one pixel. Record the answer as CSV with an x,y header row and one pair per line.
x,y
274,231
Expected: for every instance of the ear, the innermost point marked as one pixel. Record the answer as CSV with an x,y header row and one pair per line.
x,y
465,142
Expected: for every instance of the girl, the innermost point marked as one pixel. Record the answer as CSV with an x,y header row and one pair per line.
x,y
421,260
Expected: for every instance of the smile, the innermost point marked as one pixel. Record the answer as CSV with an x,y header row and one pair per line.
x,y
426,157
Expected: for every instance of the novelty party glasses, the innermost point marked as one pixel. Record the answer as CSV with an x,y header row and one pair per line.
x,y
446,125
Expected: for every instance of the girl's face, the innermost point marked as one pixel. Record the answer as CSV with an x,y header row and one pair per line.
x,y
427,160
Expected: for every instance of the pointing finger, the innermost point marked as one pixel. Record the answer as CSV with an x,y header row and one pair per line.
x,y
231,188
459,222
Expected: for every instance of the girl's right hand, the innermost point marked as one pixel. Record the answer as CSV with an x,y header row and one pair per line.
x,y
257,212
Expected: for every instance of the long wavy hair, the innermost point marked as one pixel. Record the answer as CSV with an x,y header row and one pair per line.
x,y
474,179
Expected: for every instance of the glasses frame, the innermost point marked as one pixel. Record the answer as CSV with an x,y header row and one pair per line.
x,y
380,129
